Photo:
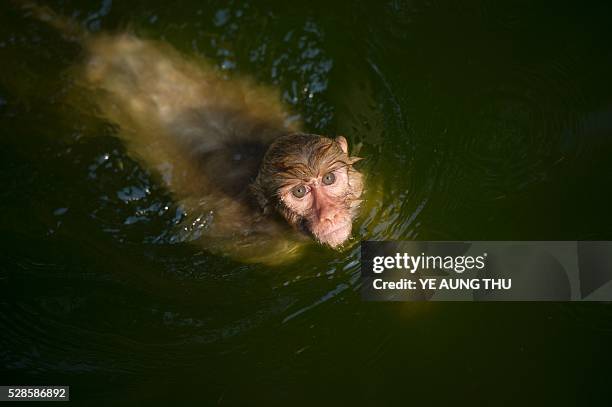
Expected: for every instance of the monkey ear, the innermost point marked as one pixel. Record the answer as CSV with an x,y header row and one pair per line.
x,y
353,160
343,143
260,197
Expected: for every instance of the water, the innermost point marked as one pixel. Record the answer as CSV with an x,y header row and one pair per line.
x,y
482,121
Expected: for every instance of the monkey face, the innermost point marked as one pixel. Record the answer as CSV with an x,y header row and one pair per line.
x,y
321,204
311,182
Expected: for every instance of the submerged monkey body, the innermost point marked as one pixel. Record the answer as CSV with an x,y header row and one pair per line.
x,y
197,131
179,116
251,185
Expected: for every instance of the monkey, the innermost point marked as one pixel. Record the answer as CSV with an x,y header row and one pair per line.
x,y
252,184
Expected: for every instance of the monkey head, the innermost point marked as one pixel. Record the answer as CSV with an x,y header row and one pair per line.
x,y
311,182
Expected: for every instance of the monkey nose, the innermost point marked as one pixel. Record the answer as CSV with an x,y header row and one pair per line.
x,y
325,210
327,213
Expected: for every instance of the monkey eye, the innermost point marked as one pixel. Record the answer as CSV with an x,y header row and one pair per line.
x,y
299,191
329,178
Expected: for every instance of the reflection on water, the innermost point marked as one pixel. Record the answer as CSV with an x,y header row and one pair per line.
x,y
479,122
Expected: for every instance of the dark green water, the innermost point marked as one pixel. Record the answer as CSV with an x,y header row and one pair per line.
x,y
479,122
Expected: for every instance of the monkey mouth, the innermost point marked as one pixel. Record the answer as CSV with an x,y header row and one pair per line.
x,y
335,235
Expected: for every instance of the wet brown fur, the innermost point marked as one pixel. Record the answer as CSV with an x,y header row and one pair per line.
x,y
222,148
